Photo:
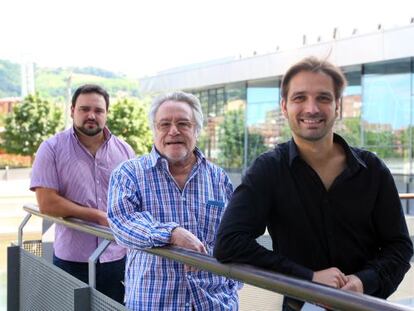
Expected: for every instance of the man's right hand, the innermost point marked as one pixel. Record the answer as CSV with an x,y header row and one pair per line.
x,y
101,218
185,239
332,277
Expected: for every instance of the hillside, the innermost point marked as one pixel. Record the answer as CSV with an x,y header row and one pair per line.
x,y
51,83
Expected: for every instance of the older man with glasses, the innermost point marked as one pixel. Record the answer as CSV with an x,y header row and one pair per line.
x,y
173,195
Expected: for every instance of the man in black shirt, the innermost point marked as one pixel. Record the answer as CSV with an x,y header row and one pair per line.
x,y
332,211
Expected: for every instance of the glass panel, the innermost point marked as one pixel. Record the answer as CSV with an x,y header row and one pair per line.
x,y
204,104
411,129
349,123
229,128
264,119
386,113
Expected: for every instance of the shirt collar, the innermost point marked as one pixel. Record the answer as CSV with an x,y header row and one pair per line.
x,y
156,157
353,160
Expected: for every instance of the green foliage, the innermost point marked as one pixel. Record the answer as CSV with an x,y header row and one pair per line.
x,y
9,79
285,133
96,72
128,120
53,83
31,122
350,130
382,143
256,146
231,141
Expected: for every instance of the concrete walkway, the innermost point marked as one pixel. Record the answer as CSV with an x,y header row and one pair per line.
x,y
13,195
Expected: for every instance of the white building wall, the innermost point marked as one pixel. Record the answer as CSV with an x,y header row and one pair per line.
x,y
359,49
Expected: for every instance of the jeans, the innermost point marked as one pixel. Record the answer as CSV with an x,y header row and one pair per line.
x,y
108,275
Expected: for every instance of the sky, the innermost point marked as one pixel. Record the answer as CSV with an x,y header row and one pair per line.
x,y
141,38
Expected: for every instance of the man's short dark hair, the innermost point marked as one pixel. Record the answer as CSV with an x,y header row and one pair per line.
x,y
313,64
88,89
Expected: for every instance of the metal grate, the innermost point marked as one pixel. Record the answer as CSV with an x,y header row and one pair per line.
x,y
100,302
34,247
44,286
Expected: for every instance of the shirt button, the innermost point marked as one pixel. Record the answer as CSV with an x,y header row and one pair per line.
x,y
97,182
188,276
183,199
99,199
187,304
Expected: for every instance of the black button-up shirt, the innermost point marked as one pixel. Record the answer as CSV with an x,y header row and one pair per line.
x,y
357,225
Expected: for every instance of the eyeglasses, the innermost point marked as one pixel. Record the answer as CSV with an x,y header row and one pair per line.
x,y
181,126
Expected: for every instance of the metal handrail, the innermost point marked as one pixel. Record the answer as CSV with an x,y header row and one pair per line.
x,y
276,282
406,196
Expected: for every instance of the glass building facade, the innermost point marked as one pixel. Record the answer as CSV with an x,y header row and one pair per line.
x,y
244,119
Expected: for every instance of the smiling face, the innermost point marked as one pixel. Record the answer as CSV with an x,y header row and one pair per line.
x,y
89,114
175,132
310,106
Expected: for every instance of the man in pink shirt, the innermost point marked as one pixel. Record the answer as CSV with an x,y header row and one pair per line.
x,y
70,176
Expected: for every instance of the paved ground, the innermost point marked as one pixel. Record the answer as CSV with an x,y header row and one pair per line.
x,y
13,195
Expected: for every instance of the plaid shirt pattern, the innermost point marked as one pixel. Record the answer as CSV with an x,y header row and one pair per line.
x,y
144,206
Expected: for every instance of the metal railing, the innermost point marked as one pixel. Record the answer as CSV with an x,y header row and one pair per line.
x,y
289,286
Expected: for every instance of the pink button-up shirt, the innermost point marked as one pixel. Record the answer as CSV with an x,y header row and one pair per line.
x,y
64,164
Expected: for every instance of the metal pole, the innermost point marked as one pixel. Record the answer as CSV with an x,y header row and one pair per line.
x,y
92,262
20,232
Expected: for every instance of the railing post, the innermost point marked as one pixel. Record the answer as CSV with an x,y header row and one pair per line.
x,y
20,232
92,262
13,278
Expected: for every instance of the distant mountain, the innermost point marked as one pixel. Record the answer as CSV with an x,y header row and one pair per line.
x,y
52,83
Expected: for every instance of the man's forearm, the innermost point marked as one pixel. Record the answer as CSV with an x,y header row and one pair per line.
x,y
51,203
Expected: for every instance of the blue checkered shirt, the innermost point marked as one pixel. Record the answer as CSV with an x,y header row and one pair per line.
x,y
144,206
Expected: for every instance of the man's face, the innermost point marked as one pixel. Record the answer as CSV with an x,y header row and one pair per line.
x,y
175,131
89,114
310,107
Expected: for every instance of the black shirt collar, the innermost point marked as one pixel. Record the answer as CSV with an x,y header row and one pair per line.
x,y
353,160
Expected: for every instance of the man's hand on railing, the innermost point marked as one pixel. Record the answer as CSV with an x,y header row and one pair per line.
x,y
354,284
332,277
102,218
185,239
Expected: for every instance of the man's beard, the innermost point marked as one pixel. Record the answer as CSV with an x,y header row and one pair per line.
x,y
89,131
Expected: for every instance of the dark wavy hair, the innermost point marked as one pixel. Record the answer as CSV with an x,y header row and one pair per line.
x,y
88,89
313,64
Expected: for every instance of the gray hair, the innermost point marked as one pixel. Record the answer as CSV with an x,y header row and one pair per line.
x,y
178,96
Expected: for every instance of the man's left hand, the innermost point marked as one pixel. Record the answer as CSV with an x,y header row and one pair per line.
x,y
354,284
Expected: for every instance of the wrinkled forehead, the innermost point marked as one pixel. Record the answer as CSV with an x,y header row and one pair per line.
x,y
311,82
174,110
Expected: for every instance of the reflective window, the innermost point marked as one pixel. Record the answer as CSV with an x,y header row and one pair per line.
x,y
230,128
222,138
348,124
263,118
386,112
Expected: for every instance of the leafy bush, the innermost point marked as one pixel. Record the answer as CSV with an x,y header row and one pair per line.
x,y
31,122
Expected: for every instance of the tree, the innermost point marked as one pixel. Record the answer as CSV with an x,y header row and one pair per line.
x,y
31,122
231,141
128,120
350,130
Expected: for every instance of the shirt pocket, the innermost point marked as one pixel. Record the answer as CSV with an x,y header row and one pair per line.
x,y
209,221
